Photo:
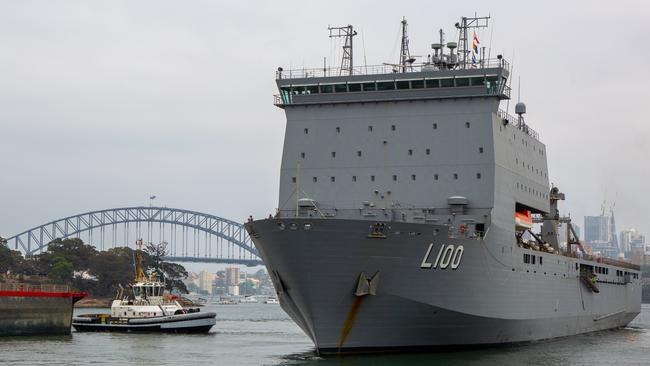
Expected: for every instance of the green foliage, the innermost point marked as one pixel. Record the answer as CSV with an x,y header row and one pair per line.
x,y
107,270
62,270
170,273
10,260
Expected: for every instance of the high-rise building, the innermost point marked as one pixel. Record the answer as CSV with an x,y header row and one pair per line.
x,y
631,240
205,281
597,229
232,276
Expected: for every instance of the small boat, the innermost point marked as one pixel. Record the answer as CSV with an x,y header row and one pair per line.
x,y
148,310
249,300
271,300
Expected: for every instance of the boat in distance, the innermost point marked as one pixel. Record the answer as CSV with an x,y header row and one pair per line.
x,y
148,310
414,213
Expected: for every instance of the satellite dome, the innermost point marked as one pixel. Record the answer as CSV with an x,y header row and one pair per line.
x,y
520,108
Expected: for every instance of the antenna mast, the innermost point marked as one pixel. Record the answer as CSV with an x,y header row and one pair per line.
x,y
463,26
346,32
405,56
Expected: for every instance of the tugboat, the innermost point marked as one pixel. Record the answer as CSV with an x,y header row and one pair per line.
x,y
148,310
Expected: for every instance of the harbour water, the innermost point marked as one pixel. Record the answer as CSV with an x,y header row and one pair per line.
x,y
259,334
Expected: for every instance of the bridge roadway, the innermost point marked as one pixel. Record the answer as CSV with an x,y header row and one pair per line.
x,y
202,237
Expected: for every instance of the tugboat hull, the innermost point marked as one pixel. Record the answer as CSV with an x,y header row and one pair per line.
x,y
182,323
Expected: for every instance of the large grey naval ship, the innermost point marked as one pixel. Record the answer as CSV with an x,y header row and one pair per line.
x,y
414,212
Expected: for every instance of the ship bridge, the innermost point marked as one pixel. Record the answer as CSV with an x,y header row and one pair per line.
x,y
391,83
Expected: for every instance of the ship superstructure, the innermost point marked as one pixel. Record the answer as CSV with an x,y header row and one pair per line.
x,y
407,206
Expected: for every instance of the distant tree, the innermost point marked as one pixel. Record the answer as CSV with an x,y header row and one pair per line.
x,y
10,260
112,268
62,270
170,273
73,250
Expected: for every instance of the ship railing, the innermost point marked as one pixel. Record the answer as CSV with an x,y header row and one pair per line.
x,y
604,260
517,123
26,287
385,69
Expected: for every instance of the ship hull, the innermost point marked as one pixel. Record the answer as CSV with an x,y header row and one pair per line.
x,y
184,323
490,298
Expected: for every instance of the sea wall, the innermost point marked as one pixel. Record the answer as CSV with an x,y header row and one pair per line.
x,y
28,315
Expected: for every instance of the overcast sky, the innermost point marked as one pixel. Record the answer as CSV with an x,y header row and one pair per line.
x,y
105,103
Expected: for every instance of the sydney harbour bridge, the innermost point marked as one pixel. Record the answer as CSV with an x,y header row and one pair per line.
x,y
190,236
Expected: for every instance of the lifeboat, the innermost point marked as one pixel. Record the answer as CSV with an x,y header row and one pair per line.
x,y
523,220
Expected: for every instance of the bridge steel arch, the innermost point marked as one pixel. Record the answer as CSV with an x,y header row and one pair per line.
x,y
35,240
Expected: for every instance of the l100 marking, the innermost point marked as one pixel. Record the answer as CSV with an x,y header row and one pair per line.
x,y
448,255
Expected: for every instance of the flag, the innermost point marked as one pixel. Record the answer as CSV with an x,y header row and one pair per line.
x,y
152,197
475,43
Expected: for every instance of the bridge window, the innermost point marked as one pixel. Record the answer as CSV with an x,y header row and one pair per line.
x,y
428,151
385,85
293,179
312,89
467,124
369,128
302,155
478,175
435,126
306,131
333,154
354,178
478,81
455,175
433,83
395,178
402,84
446,83
435,177
358,152
338,130
326,88
333,179
314,179
412,176
393,127
417,84
355,87
480,150
340,88
410,152
462,82
369,87
372,178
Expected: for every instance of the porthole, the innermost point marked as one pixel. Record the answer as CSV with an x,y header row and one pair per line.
x,y
307,226
281,225
293,226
